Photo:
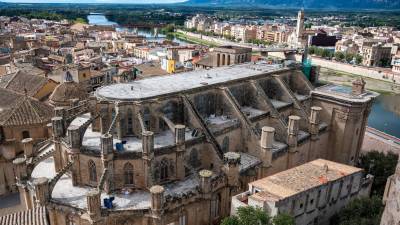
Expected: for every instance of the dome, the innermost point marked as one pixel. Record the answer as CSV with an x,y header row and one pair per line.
x,y
65,92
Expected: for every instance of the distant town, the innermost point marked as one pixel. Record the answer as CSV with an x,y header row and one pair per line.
x,y
176,115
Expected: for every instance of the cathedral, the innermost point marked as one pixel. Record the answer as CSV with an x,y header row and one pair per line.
x,y
173,150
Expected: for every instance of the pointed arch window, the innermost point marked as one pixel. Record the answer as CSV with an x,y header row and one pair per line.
x,y
225,144
164,170
128,174
130,121
92,171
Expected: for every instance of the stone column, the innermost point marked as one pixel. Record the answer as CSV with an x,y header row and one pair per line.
x,y
267,140
315,120
118,121
58,133
157,203
148,155
28,147
231,168
75,142
205,181
180,150
42,195
104,125
93,204
293,130
21,175
206,193
107,148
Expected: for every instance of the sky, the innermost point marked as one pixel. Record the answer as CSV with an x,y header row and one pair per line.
x,y
93,1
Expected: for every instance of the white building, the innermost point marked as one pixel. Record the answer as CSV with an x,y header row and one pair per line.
x,y
311,193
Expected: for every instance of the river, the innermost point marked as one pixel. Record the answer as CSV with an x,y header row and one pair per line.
x,y
151,34
385,114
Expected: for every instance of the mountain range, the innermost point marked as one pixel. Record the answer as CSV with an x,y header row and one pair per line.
x,y
326,4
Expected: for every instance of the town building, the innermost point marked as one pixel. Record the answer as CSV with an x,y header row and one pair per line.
x,y
312,193
175,149
224,56
376,54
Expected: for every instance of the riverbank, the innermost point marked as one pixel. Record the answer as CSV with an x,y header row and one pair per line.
x,y
194,40
346,79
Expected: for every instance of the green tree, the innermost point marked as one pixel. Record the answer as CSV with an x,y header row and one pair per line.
x,y
80,20
360,211
349,57
381,166
359,59
339,56
248,216
256,216
283,219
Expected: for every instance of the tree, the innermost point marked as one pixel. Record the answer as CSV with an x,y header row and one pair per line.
x,y
360,211
339,56
359,59
349,57
283,219
256,216
381,166
248,216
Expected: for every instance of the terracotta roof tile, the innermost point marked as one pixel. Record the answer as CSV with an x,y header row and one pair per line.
x,y
35,216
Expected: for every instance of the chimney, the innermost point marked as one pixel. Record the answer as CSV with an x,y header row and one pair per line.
x,y
358,87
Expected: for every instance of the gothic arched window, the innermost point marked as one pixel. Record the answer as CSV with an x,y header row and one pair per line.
x,y
194,158
225,144
164,170
130,121
92,171
128,174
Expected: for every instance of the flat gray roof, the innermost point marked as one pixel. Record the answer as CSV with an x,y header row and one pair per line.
x,y
175,83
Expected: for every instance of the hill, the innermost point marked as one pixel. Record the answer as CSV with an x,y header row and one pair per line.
x,y
326,4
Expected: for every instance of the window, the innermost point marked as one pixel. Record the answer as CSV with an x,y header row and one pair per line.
x,y
25,134
130,121
301,205
164,170
128,174
215,206
225,144
182,220
92,171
